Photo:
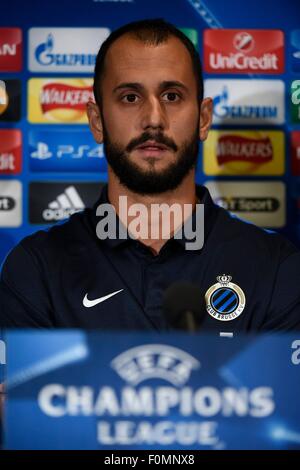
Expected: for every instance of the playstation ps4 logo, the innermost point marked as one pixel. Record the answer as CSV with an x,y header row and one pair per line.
x,y
67,150
155,361
58,151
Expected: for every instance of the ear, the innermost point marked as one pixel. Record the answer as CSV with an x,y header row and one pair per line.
x,y
206,111
95,121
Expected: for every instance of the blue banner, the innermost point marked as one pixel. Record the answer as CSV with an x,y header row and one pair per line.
x,y
78,390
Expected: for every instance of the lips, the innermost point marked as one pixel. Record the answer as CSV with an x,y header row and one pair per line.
x,y
152,145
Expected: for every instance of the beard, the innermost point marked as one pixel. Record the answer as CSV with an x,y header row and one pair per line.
x,y
151,181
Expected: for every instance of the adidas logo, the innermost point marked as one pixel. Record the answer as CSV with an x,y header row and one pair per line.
x,y
64,205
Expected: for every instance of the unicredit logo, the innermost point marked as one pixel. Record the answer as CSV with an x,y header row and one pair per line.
x,y
10,49
7,203
245,149
243,51
243,42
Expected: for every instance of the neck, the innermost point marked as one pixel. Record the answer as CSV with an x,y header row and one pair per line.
x,y
153,227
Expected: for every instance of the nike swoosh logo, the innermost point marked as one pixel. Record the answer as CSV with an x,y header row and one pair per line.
x,y
91,303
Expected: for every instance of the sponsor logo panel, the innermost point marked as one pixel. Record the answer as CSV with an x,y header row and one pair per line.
x,y
234,152
50,202
295,50
10,151
262,203
69,151
59,100
295,101
243,51
192,34
246,101
10,100
295,144
53,50
10,49
10,203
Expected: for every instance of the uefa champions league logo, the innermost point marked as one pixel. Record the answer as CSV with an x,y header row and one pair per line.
x,y
155,361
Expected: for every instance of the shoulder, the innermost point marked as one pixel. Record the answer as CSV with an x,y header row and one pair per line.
x,y
50,245
243,235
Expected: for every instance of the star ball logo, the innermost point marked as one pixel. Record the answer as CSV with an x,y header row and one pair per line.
x,y
155,361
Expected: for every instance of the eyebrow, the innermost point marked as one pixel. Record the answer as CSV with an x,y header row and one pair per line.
x,y
138,86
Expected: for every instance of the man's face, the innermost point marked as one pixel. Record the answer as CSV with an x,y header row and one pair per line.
x,y
150,114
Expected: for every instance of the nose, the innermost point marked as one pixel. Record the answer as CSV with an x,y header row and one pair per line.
x,y
153,115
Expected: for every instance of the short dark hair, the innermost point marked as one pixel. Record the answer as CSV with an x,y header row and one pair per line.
x,y
152,32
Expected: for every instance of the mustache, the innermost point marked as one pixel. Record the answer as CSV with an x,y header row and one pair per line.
x,y
158,138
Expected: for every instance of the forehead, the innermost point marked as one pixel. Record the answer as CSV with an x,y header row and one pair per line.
x,y
132,60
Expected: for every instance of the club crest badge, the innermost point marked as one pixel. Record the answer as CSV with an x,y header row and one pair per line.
x,y
225,300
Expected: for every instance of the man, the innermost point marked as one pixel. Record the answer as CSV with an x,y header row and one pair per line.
x,y
150,114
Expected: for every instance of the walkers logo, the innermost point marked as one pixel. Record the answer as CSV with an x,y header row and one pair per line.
x,y
51,202
59,100
10,50
295,50
246,101
262,203
295,101
64,49
244,153
10,100
60,150
10,203
251,51
295,143
10,151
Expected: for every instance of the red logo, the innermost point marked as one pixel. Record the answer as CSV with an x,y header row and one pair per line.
x,y
10,49
295,143
61,96
233,148
252,51
10,151
243,42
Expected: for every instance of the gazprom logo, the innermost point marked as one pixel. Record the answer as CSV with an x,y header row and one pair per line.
x,y
155,361
64,49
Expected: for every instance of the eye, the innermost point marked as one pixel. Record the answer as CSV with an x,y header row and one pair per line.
x,y
171,96
130,98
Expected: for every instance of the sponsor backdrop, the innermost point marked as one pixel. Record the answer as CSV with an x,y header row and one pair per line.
x,y
50,166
